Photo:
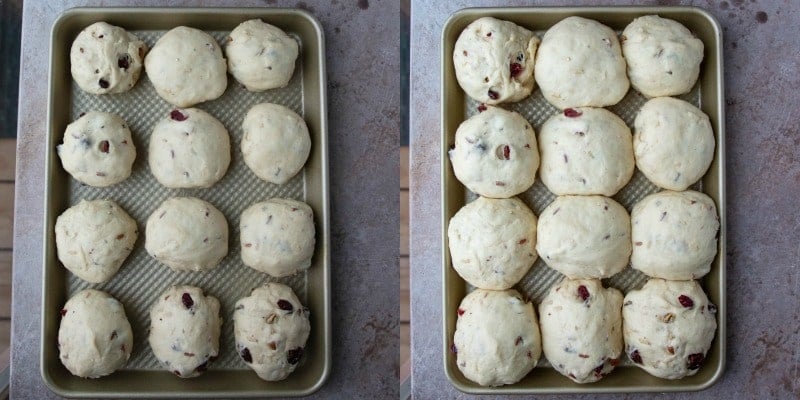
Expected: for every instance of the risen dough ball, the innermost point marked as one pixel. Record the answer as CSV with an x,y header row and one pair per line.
x,y
260,56
276,143
95,337
668,327
492,242
674,235
277,236
495,153
93,238
497,339
184,330
580,64
663,56
673,143
106,59
582,329
585,151
271,328
186,67
187,234
494,60
189,149
584,236
98,149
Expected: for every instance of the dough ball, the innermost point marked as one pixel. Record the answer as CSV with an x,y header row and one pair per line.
x,y
95,337
276,142
260,56
494,59
187,234
189,149
663,56
584,236
93,239
497,340
184,330
674,235
271,328
582,329
580,64
186,67
673,143
495,153
586,151
277,236
106,59
97,149
668,327
492,242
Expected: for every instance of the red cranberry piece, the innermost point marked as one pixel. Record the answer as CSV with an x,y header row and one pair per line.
x,y
506,152
523,241
635,357
177,115
187,301
104,146
516,69
493,95
124,62
481,107
460,312
599,369
293,355
246,355
583,292
113,335
518,341
453,348
695,360
63,312
285,305
103,83
489,34
686,301
572,113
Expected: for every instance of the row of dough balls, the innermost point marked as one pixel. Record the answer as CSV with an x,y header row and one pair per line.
x,y
583,151
579,63
666,326
186,65
93,238
271,327
189,148
670,235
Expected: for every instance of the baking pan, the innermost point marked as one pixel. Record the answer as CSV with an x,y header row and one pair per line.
x,y
456,107
141,279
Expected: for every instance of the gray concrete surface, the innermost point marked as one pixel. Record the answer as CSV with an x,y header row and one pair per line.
x,y
762,74
364,120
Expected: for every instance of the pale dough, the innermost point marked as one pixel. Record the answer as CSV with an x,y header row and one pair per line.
x,y
106,59
260,56
276,142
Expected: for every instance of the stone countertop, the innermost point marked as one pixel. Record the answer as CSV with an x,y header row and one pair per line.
x,y
363,94
762,74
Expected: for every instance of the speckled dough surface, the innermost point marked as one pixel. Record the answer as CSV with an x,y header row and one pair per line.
x,y
585,151
663,56
187,234
495,153
580,64
95,337
184,330
493,242
276,142
93,239
260,56
584,236
106,59
674,235
494,60
673,142
271,328
97,149
278,236
189,148
668,327
186,67
497,340
581,326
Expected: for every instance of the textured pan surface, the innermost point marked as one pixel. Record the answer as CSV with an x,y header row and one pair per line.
x,y
537,110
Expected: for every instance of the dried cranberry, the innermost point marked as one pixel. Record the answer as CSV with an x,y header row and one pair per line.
x,y
493,95
113,335
481,107
518,341
516,69
453,348
104,146
285,305
63,312
572,113
460,312
187,300
599,369
523,241
614,362
686,301
583,292
103,83
293,355
177,115
246,355
272,345
635,357
695,360
124,62
506,152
